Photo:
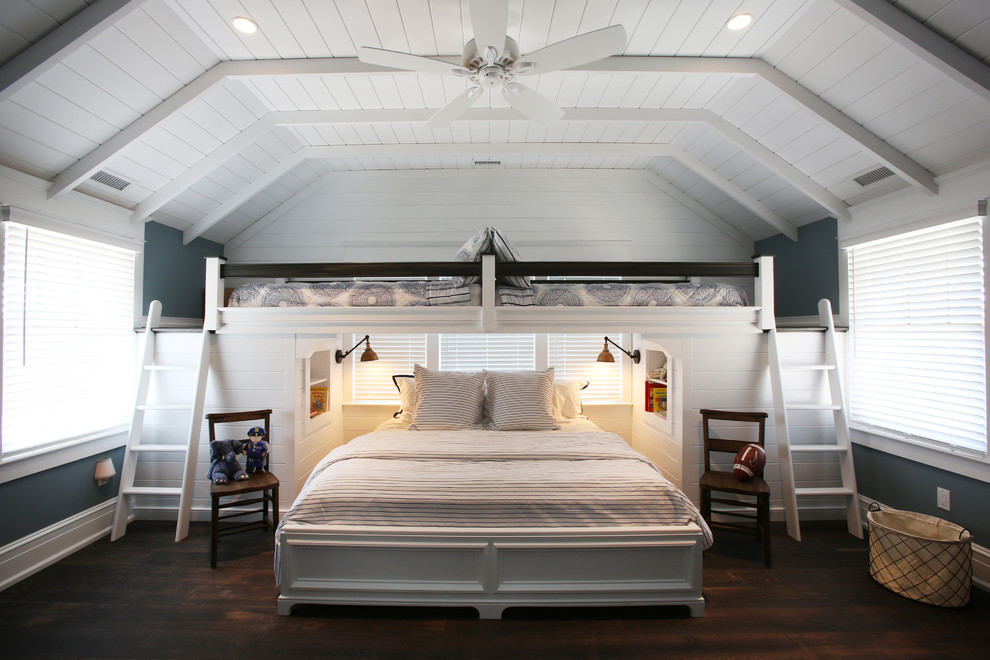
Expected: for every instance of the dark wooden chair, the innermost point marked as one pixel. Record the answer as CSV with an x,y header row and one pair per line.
x,y
752,494
264,483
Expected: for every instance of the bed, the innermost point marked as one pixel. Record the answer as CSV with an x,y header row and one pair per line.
x,y
490,491
488,289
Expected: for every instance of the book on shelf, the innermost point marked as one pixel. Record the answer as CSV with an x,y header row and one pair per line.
x,y
656,397
317,400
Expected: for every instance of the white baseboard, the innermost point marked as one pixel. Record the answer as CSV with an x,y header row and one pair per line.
x,y
981,555
26,556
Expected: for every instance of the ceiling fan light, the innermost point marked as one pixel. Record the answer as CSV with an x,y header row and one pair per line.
x,y
245,25
739,21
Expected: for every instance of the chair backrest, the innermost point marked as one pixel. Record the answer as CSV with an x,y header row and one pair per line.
x,y
246,416
725,444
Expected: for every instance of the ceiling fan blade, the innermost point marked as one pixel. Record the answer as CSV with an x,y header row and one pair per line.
x,y
531,103
490,22
397,60
447,114
584,48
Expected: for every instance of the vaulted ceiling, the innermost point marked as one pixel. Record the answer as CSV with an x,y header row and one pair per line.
x,y
210,130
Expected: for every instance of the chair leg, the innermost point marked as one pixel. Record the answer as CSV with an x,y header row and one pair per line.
x,y
706,504
214,530
274,508
764,514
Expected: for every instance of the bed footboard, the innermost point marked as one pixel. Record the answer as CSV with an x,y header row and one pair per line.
x,y
491,570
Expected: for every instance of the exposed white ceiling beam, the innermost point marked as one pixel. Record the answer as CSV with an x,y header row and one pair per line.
x,y
924,42
60,42
702,211
496,149
898,162
909,170
772,161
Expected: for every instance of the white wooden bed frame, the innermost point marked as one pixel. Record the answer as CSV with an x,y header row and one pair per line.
x,y
492,569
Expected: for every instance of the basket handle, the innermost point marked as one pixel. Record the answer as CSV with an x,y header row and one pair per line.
x,y
874,504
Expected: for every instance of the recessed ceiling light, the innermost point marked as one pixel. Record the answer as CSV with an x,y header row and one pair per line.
x,y
245,25
739,21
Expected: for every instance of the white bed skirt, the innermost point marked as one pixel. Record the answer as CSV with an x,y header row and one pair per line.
x,y
491,569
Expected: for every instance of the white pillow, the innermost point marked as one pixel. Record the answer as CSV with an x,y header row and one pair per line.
x,y
521,400
406,384
567,399
447,400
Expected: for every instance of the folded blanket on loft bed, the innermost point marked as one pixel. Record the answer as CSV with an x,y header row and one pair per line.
x,y
416,293
623,294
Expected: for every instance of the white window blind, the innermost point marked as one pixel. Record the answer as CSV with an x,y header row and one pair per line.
x,y
372,381
917,315
496,352
574,357
67,338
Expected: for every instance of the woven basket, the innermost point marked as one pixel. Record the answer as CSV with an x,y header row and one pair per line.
x,y
921,557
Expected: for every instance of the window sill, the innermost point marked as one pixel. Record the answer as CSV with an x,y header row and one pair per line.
x,y
25,465
974,467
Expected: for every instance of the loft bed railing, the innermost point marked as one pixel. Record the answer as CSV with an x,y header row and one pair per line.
x,y
489,317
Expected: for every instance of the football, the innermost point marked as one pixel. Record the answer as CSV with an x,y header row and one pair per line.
x,y
749,462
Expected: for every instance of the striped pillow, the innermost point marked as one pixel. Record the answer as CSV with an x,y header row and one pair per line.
x,y
521,400
447,400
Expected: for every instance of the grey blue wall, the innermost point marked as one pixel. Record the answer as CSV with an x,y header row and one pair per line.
x,y
175,273
804,271
45,498
903,484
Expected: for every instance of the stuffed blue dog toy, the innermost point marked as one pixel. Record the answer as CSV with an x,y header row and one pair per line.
x,y
224,465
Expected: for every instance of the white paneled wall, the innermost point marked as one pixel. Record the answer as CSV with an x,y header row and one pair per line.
x,y
428,214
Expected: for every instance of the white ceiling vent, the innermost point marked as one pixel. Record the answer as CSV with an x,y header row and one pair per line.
x,y
487,163
108,179
873,176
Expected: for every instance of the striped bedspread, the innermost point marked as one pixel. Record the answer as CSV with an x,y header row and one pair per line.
x,y
489,479
624,294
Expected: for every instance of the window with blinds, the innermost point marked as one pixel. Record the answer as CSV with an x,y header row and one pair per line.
x,y
572,356
372,381
918,367
67,335
575,357
497,352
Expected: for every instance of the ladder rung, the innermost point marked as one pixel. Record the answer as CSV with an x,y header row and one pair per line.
x,y
165,406
160,448
813,406
169,367
834,490
817,448
152,490
807,367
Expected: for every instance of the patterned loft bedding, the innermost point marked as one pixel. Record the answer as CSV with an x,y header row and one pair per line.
x,y
444,292
624,294
399,478
417,293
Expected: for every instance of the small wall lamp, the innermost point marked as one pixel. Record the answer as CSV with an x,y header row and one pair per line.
x,y
367,356
606,356
104,471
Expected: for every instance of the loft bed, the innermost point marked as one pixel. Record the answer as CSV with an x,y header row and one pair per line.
x,y
486,306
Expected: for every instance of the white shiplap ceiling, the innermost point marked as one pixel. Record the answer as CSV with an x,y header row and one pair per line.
x,y
765,128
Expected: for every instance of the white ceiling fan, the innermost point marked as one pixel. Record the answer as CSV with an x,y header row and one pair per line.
x,y
492,60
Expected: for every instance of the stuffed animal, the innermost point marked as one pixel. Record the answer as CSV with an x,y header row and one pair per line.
x,y
256,448
224,465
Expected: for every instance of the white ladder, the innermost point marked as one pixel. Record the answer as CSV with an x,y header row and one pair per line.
x,y
841,449
135,448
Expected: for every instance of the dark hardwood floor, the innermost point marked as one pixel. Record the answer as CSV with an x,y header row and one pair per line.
x,y
147,597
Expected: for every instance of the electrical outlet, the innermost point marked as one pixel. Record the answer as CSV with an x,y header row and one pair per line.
x,y
943,498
